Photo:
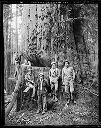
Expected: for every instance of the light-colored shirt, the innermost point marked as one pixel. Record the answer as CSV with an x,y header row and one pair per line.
x,y
53,73
68,73
41,81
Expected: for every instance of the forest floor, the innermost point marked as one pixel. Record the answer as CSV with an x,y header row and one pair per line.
x,y
84,112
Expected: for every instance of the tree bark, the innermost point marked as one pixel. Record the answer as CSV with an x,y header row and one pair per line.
x,y
16,31
11,104
6,50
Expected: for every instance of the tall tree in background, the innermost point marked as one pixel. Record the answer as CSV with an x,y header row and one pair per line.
x,y
47,33
5,28
16,29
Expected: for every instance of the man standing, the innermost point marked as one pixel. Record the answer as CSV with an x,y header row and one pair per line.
x,y
42,94
68,76
53,76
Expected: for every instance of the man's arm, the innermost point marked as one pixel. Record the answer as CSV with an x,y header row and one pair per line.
x,y
73,74
49,74
62,75
28,79
58,73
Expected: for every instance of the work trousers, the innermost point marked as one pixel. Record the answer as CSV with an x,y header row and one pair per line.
x,y
69,85
42,102
54,86
69,89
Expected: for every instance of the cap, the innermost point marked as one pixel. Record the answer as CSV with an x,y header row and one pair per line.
x,y
66,61
41,74
53,63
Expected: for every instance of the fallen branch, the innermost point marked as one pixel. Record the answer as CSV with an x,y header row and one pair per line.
x,y
91,91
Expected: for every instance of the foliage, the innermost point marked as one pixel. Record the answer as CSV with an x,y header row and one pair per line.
x,y
84,112
6,8
49,31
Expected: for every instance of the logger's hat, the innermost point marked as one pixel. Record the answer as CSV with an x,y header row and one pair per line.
x,y
53,63
41,74
66,61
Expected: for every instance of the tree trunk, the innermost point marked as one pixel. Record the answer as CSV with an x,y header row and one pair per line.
x,y
6,49
10,106
16,31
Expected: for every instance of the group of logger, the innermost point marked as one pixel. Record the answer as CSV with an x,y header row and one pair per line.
x,y
39,90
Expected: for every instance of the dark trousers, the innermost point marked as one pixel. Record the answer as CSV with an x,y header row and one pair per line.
x,y
69,95
42,102
64,94
26,98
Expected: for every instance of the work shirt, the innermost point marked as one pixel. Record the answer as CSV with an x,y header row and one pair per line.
x,y
67,74
54,74
28,77
41,87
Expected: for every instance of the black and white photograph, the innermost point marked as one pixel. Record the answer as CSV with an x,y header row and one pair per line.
x,y
51,64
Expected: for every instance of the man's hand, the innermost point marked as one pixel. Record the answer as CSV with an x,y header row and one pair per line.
x,y
31,81
52,85
16,88
62,80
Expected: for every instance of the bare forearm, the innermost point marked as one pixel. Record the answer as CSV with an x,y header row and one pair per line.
x,y
49,75
62,76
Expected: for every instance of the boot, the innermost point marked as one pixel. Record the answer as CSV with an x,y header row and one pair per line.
x,y
43,112
53,97
44,105
38,111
